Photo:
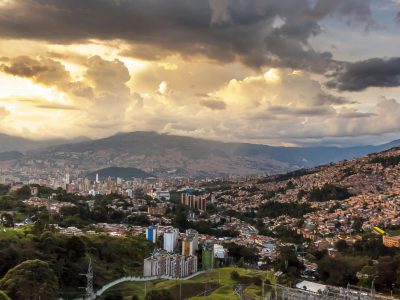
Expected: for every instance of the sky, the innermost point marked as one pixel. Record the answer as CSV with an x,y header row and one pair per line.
x,y
287,72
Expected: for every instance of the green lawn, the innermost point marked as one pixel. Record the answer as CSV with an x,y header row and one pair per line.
x,y
219,280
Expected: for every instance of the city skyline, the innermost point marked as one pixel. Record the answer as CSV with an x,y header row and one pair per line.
x,y
279,73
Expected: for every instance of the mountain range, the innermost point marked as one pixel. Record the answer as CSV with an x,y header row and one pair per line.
x,y
184,156
13,143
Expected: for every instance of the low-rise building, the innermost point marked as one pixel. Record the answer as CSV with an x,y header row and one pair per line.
x,y
391,241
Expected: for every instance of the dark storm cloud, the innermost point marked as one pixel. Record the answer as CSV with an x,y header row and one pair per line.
x,y
358,8
242,30
279,112
355,115
45,71
301,111
213,104
23,67
373,72
328,99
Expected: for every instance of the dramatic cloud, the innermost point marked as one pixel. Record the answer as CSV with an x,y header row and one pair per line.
x,y
238,70
325,98
244,30
368,73
213,104
107,75
45,71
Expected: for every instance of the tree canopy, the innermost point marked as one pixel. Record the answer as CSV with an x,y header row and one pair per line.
x,y
29,280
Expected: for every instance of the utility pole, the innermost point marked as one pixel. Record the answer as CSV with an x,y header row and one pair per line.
x,y
89,282
262,290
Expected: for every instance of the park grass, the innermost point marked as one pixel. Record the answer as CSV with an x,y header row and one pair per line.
x,y
191,288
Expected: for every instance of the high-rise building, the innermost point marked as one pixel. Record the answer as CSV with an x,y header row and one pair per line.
x,y
67,179
186,247
190,243
171,239
154,266
173,265
219,251
151,234
194,201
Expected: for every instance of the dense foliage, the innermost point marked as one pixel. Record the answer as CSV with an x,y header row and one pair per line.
x,y
388,161
360,263
30,279
287,262
287,176
4,189
274,209
112,257
328,192
247,254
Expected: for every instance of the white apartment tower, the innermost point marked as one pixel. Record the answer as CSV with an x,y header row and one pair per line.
x,y
171,239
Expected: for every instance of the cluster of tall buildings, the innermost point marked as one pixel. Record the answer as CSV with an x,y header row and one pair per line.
x,y
169,264
178,256
168,261
194,201
170,239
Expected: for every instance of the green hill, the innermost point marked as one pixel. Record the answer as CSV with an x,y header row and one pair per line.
x,y
126,173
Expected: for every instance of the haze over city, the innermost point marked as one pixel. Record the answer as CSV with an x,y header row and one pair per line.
x,y
290,72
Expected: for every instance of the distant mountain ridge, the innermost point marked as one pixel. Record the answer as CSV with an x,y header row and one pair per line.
x,y
10,155
14,143
159,153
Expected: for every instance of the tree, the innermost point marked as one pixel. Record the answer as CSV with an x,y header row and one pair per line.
x,y
7,220
23,193
339,270
162,294
386,272
328,192
29,280
75,248
341,246
3,296
4,189
287,262
241,262
114,297
180,219
235,275
42,222
357,224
